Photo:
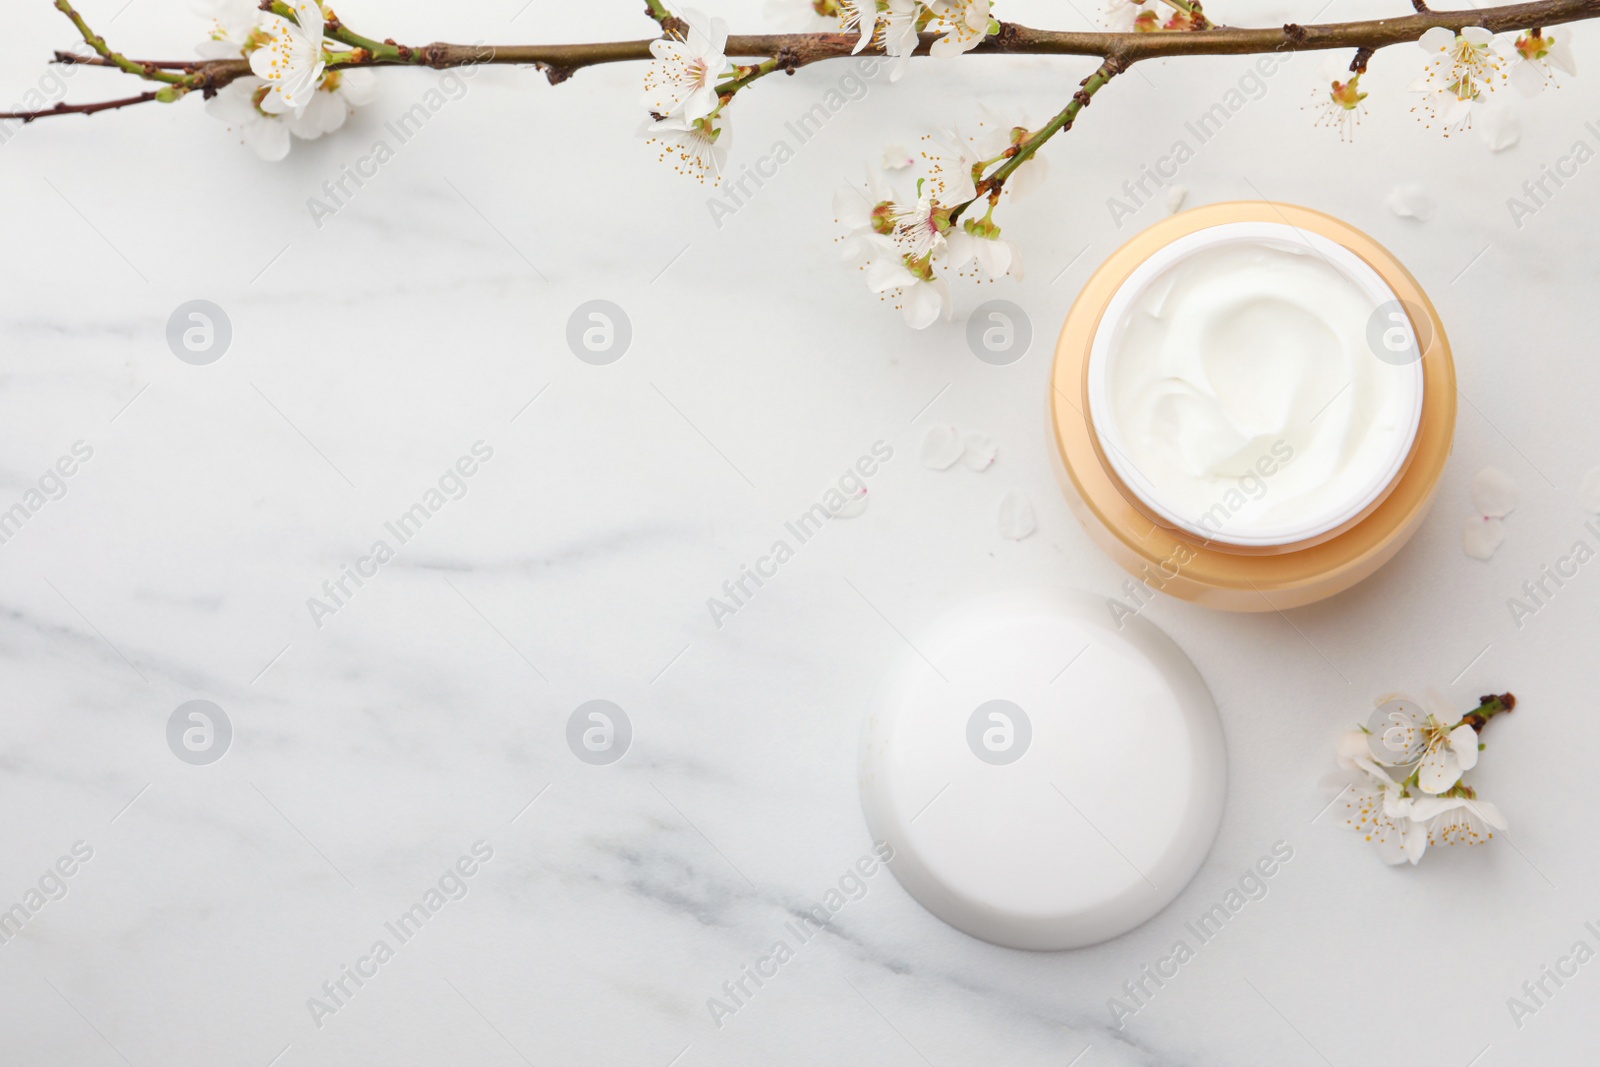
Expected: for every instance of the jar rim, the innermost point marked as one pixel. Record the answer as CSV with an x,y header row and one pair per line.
x,y
1224,577
1102,413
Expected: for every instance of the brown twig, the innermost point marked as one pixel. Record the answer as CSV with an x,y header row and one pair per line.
x,y
75,109
72,59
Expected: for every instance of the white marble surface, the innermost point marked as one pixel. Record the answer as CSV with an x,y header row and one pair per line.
x,y
370,753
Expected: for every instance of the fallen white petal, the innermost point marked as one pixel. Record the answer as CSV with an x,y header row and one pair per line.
x,y
1481,536
1494,493
896,157
980,451
1411,201
1016,515
1175,198
1589,492
941,448
854,504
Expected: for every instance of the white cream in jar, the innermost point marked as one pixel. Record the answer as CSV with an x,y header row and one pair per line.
x,y
1236,388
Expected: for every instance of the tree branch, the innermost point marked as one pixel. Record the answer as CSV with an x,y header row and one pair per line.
x,y
148,71
76,109
72,59
795,50
1015,39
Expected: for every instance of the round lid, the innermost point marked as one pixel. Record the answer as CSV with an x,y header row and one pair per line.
x,y
1048,775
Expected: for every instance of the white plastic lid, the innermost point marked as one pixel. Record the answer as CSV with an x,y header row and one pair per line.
x,y
1047,778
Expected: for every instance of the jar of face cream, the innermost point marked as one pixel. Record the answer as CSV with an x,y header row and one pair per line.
x,y
1252,404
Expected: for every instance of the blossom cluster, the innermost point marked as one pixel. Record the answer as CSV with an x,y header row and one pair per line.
x,y
682,94
291,92
1430,748
1462,73
908,240
908,237
894,25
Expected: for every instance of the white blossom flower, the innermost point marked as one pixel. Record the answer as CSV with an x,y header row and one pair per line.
x,y
233,28
868,218
699,147
1446,107
339,93
975,241
1379,808
239,105
1394,733
1404,732
965,23
1457,820
682,78
1354,753
291,59
1403,813
900,34
1462,68
1464,56
859,15
1542,56
950,159
1341,106
917,226
921,295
